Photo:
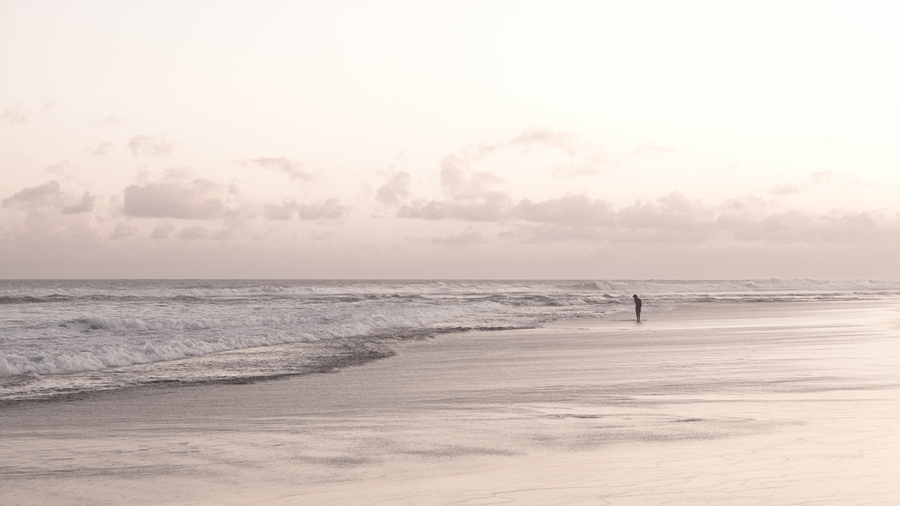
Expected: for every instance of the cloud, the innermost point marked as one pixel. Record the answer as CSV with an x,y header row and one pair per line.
x,y
585,158
123,231
327,210
672,218
818,178
49,195
229,231
833,227
198,199
85,205
202,199
460,181
823,177
293,169
52,232
569,210
669,211
65,169
15,115
51,220
547,233
103,149
112,120
580,157
283,211
650,149
785,189
174,174
491,206
193,233
827,177
468,237
567,143
18,115
36,196
471,193
395,190
150,145
162,231
596,162
563,141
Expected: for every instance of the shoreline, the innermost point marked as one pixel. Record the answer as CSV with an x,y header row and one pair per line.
x,y
336,363
603,407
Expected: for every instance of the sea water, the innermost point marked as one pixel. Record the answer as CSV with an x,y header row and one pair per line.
x,y
65,338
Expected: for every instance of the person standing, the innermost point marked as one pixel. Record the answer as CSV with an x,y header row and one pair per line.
x,y
637,307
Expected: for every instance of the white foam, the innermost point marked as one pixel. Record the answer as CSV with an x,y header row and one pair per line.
x,y
70,326
97,342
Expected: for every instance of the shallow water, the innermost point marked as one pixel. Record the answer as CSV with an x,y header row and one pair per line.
x,y
71,337
789,403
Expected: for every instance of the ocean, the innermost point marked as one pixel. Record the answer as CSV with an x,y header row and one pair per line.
x,y
64,339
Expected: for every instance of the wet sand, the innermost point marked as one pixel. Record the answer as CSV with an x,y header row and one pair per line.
x,y
788,403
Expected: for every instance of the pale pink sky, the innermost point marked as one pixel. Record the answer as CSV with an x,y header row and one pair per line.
x,y
450,139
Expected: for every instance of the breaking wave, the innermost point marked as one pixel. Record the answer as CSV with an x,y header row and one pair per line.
x,y
70,336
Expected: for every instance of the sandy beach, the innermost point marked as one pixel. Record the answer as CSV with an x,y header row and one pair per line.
x,y
768,403
393,253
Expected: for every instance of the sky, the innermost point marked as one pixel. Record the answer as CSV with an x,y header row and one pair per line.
x,y
425,139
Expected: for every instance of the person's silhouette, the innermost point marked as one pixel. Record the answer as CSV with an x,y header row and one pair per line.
x,y
637,307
